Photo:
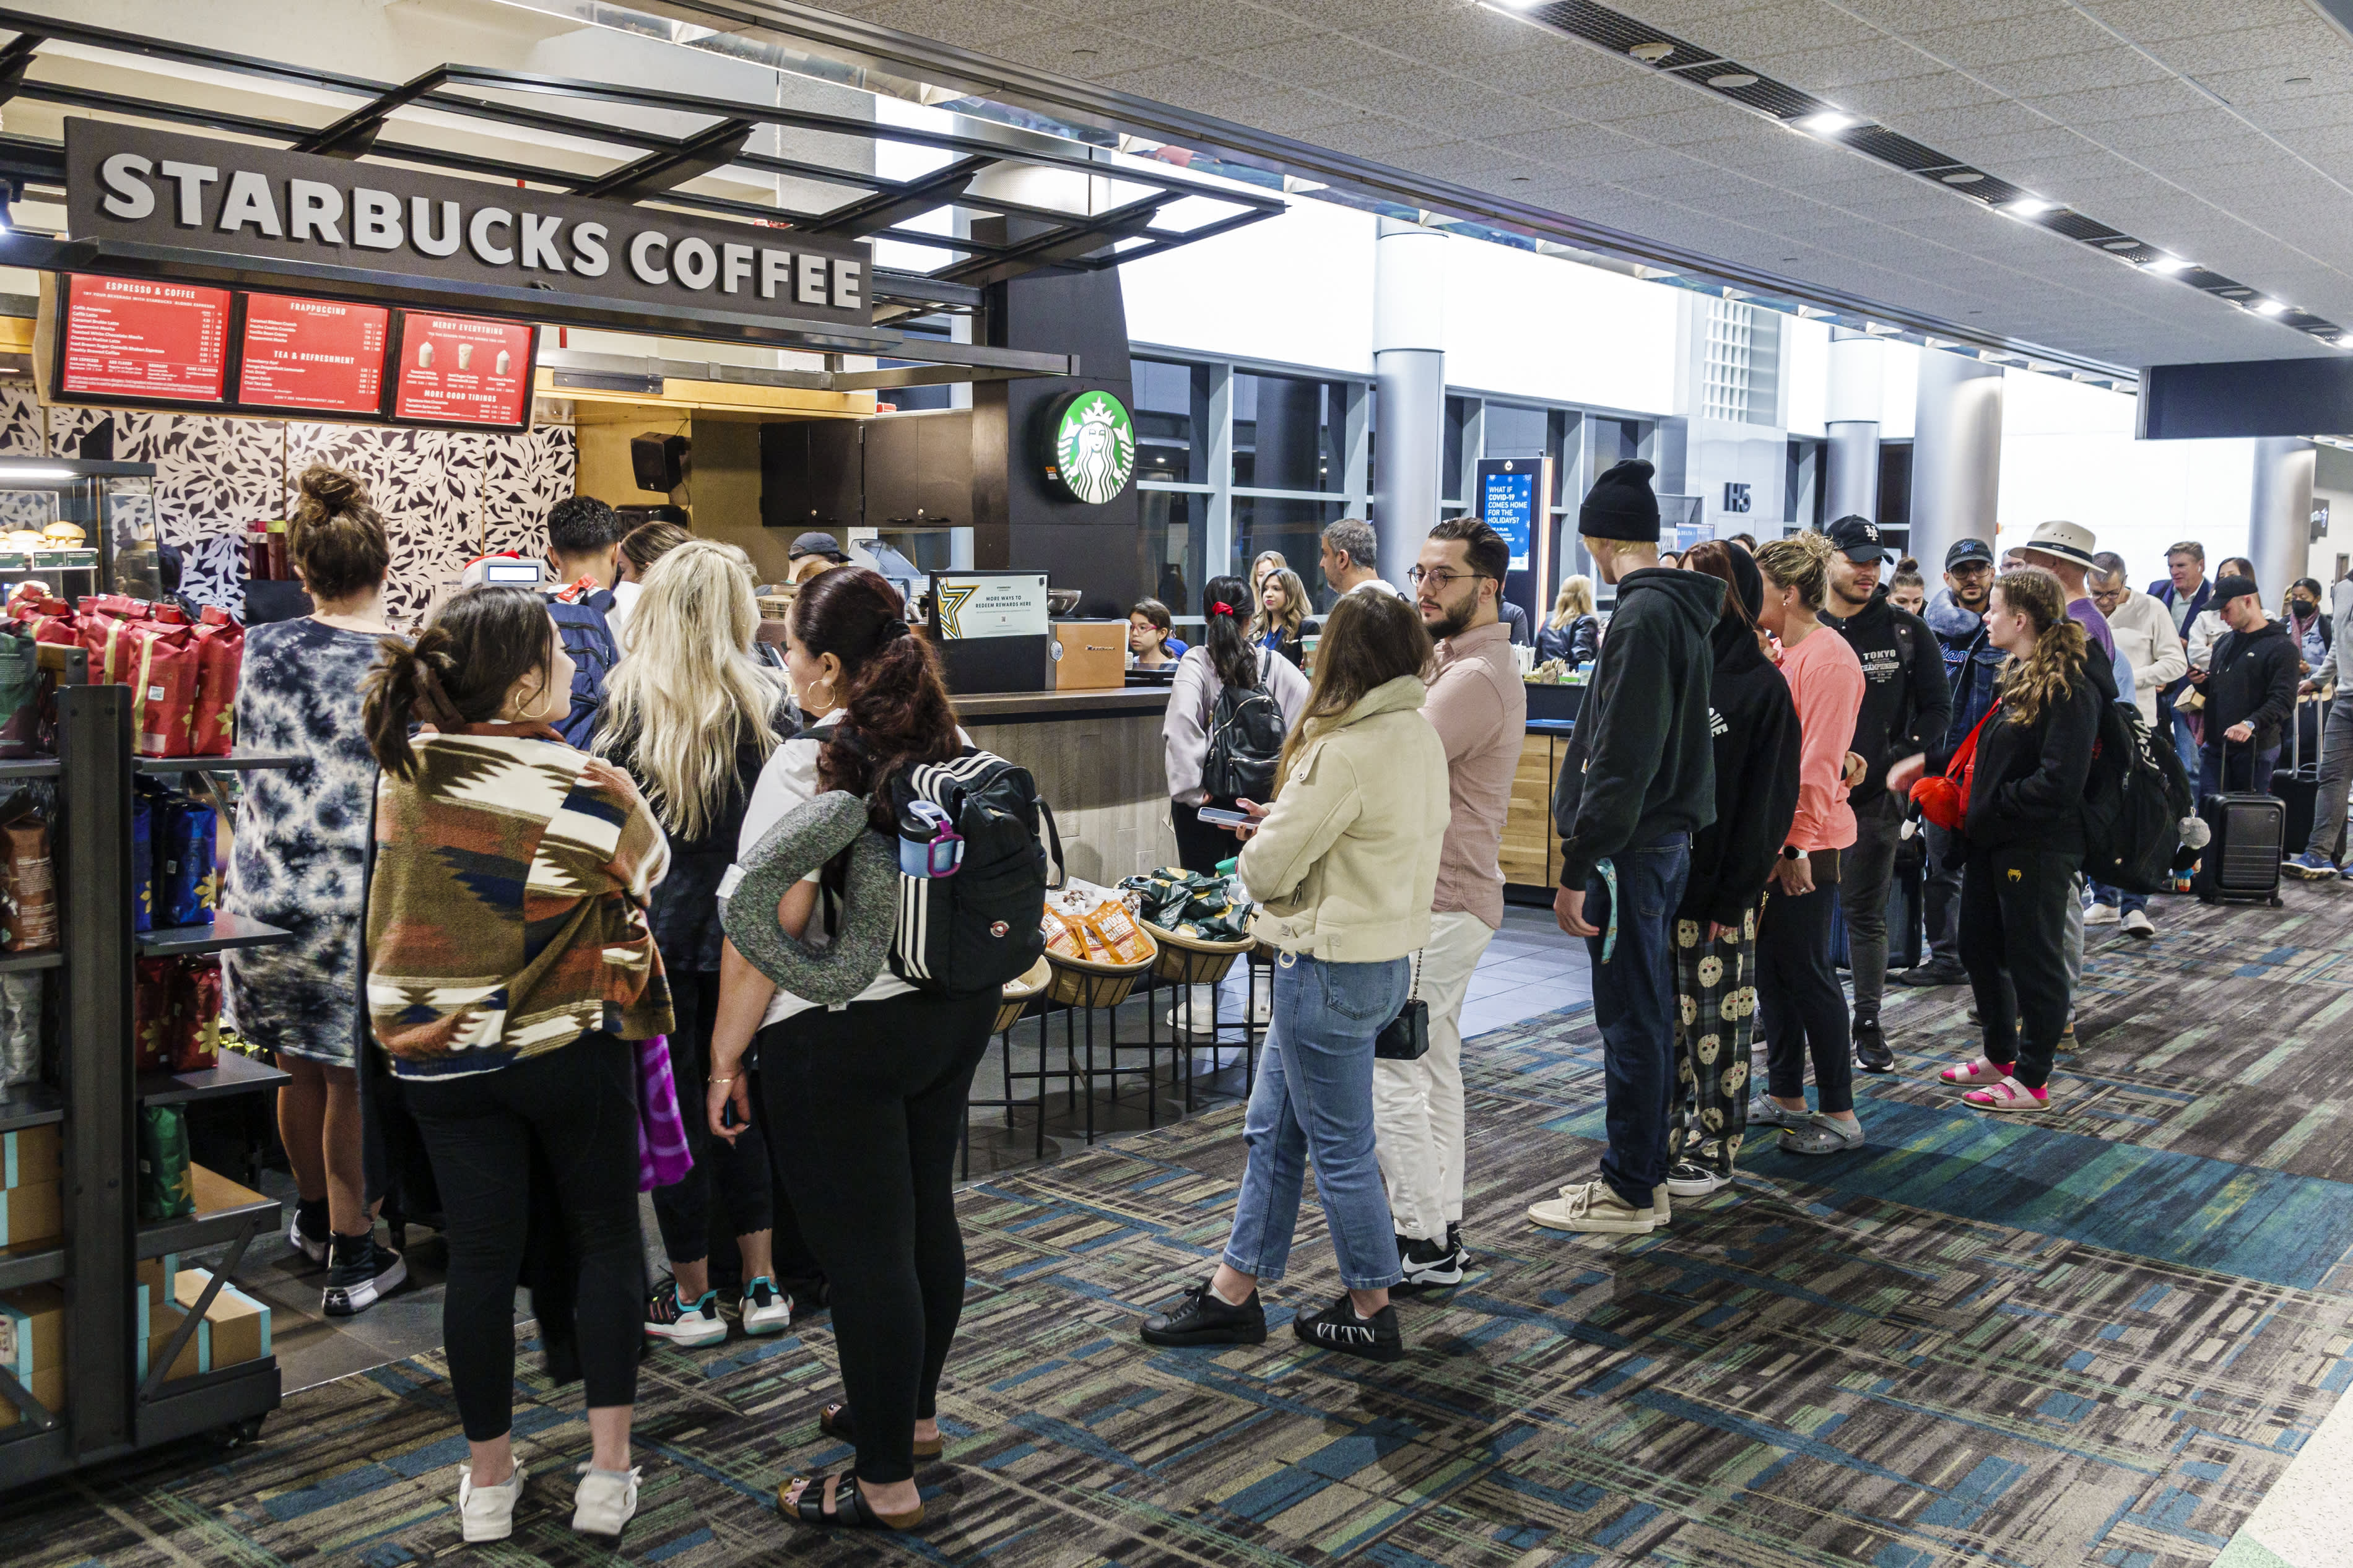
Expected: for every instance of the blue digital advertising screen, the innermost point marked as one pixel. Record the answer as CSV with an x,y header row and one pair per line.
x,y
1508,502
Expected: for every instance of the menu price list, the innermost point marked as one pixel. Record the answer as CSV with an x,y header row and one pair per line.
x,y
313,353
126,338
463,370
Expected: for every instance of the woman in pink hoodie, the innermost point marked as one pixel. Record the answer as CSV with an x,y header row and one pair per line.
x,y
1796,987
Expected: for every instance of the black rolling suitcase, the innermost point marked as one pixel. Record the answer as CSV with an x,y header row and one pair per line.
x,y
2298,786
2240,864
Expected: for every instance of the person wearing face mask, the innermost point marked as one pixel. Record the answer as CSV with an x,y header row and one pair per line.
x,y
511,969
1479,706
2314,635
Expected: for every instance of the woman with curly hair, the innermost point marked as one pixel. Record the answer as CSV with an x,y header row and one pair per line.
x,y
2025,836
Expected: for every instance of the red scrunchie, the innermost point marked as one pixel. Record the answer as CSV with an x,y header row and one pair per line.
x,y
1223,608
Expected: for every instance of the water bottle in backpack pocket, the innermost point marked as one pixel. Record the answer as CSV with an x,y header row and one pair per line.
x,y
977,849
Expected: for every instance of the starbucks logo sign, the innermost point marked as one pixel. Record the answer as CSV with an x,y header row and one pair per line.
x,y
1093,453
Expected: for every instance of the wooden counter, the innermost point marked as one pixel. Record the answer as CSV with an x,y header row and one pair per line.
x,y
1531,852
1097,758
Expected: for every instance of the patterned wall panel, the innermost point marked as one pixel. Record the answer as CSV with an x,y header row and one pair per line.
x,y
520,478
23,432
426,501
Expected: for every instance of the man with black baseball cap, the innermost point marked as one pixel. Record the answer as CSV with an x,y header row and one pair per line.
x,y
1638,781
1972,665
1906,709
2250,692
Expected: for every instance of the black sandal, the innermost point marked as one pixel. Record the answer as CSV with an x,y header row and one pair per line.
x,y
834,1422
851,1509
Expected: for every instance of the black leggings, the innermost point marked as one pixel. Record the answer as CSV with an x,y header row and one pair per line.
x,y
740,1171
2014,920
866,1108
1800,1002
578,1104
1201,845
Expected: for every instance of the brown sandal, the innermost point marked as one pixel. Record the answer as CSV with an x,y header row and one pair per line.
x,y
834,1422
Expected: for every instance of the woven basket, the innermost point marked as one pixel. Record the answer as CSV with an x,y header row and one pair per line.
x,y
1083,983
1191,961
1017,995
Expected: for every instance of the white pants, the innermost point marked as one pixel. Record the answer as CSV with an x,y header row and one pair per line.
x,y
1418,1105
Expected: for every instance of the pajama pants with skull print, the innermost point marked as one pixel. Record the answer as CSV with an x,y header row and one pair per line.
x,y
1715,1012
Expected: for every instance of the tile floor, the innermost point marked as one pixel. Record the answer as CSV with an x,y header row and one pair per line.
x,y
1529,969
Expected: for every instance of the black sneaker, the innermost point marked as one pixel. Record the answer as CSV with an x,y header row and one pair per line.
x,y
1871,1052
1429,1265
1204,1320
1338,1327
1934,974
360,1271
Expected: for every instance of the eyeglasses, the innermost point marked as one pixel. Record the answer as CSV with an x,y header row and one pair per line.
x,y
1442,578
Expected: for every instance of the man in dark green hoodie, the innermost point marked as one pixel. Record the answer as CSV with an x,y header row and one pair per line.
x,y
1638,781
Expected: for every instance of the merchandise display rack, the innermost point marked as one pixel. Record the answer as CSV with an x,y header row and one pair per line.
x,y
110,1410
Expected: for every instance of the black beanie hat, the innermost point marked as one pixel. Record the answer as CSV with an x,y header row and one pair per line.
x,y
1621,505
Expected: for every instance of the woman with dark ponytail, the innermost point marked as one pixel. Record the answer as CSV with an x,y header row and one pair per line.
x,y
509,968
862,1104
1226,657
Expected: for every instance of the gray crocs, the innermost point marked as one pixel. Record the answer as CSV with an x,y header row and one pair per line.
x,y
1763,1112
1821,1135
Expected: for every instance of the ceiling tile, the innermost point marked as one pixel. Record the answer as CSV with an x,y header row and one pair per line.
x,y
1210,27
1706,123
1642,94
1564,144
1890,101
1317,61
1936,126
1196,84
1878,58
1106,53
1771,29
2074,73
2289,49
2154,21
2018,38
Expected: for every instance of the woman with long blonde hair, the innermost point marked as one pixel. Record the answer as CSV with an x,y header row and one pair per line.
x,y
1573,634
1281,622
691,716
2025,836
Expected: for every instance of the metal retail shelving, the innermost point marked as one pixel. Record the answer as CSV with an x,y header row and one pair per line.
x,y
109,1410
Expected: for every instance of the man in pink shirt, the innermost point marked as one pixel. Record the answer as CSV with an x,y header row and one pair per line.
x,y
1480,709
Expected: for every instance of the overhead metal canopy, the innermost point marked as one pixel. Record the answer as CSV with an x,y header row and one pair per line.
x,y
652,168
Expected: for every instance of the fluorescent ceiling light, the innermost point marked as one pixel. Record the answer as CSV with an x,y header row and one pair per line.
x,y
2029,206
7,474
1828,122
2169,264
2267,308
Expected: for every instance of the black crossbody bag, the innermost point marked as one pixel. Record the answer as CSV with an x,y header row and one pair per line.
x,y
1407,1037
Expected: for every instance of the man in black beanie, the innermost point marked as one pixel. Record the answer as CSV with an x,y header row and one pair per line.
x,y
1638,781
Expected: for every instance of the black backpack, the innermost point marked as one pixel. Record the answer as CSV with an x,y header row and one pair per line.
x,y
2134,801
1246,734
968,933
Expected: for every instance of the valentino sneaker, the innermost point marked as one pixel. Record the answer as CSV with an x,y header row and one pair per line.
x,y
669,1317
604,1500
1429,1265
2138,924
1338,1327
1204,1320
360,1273
1594,1207
1687,1178
487,1513
765,1309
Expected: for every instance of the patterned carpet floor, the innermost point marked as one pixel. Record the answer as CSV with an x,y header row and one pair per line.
x,y
2095,1339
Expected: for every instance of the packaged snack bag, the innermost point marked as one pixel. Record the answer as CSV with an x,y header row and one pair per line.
x,y
195,1026
220,655
165,1191
162,673
20,1029
150,1015
188,880
1085,921
21,686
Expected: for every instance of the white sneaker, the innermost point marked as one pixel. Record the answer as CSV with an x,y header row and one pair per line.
x,y
2137,923
1592,1206
765,1309
1202,1019
604,1502
2100,915
316,1251
487,1513
1689,1179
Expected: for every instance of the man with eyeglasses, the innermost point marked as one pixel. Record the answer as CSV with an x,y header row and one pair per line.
x,y
1480,709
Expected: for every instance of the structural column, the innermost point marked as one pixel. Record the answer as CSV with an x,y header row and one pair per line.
x,y
1410,370
1850,455
1956,454
2279,514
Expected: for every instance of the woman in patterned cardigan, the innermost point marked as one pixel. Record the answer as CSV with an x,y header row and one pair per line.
x,y
510,966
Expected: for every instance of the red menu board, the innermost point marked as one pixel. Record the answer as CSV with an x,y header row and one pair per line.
x,y
463,370
313,353
125,338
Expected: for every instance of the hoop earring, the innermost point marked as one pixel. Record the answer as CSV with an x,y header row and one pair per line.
x,y
826,701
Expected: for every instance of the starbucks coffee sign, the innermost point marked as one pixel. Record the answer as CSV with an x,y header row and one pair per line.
x,y
1091,452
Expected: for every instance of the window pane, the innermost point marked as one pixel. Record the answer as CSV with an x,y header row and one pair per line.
x,y
1287,432
1172,421
1514,432
1450,468
1171,549
1295,528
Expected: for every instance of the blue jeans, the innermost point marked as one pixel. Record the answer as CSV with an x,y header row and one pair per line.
x,y
1314,1096
1634,1004
2123,903
2185,744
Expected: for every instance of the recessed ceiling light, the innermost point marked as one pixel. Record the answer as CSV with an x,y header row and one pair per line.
x,y
1732,79
2120,245
2029,206
1651,54
2169,264
2234,293
1828,122
1964,177
2267,308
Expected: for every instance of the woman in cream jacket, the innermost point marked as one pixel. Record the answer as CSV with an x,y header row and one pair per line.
x,y
1344,864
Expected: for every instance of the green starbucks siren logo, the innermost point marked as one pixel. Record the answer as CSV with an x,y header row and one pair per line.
x,y
1094,448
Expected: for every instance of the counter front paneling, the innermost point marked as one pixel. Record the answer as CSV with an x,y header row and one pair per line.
x,y
1531,845
1096,756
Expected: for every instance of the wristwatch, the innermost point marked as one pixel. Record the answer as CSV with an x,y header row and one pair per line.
x,y
1791,852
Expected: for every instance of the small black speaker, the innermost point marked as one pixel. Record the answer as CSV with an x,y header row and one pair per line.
x,y
659,462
